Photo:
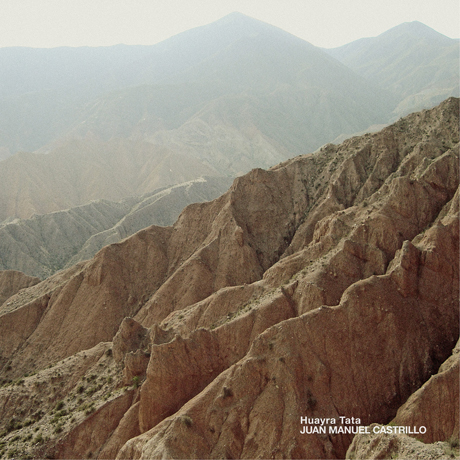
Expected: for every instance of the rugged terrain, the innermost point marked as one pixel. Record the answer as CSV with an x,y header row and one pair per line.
x,y
80,171
325,286
416,64
220,99
236,77
44,244
434,406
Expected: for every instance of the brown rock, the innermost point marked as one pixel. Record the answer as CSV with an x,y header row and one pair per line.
x,y
128,428
376,446
135,367
130,337
323,364
102,292
436,404
12,281
326,287
87,439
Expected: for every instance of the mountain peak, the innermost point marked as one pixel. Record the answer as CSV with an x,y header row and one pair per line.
x,y
415,29
236,15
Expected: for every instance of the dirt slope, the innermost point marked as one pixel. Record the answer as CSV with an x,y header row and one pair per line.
x,y
326,286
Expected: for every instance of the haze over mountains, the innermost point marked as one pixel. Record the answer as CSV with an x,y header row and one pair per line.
x,y
123,121
325,285
235,74
44,244
415,63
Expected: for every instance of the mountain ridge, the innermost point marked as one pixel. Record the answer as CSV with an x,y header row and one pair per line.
x,y
54,110
412,60
261,300
44,244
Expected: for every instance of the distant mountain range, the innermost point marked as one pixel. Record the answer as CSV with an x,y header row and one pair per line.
x,y
82,170
113,123
236,72
419,66
44,244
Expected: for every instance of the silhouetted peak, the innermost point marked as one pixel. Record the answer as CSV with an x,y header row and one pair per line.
x,y
415,29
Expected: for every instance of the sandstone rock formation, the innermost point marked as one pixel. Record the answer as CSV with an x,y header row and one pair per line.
x,y
436,404
381,445
12,281
325,287
435,407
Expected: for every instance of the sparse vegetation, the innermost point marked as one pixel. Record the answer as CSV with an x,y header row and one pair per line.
x,y
452,448
59,405
227,392
186,420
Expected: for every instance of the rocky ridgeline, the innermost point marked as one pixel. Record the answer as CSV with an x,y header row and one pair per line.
x,y
44,244
325,287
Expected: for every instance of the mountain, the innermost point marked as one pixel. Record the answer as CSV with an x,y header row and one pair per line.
x,y
415,63
216,100
43,90
261,69
234,74
79,171
44,244
324,287
12,281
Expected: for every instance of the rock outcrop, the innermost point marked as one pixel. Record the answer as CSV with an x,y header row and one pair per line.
x,y
436,404
432,415
382,445
12,281
326,287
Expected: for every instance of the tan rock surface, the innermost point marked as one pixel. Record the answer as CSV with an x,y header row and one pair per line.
x,y
436,404
380,446
127,428
87,438
325,287
12,281
321,364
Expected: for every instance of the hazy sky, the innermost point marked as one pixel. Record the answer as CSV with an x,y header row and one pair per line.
x,y
327,23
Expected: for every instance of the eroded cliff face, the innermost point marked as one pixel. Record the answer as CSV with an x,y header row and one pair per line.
x,y
434,406
12,281
326,286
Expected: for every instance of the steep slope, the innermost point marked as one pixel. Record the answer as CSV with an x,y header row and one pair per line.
x,y
414,62
12,281
247,95
326,286
44,244
435,407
